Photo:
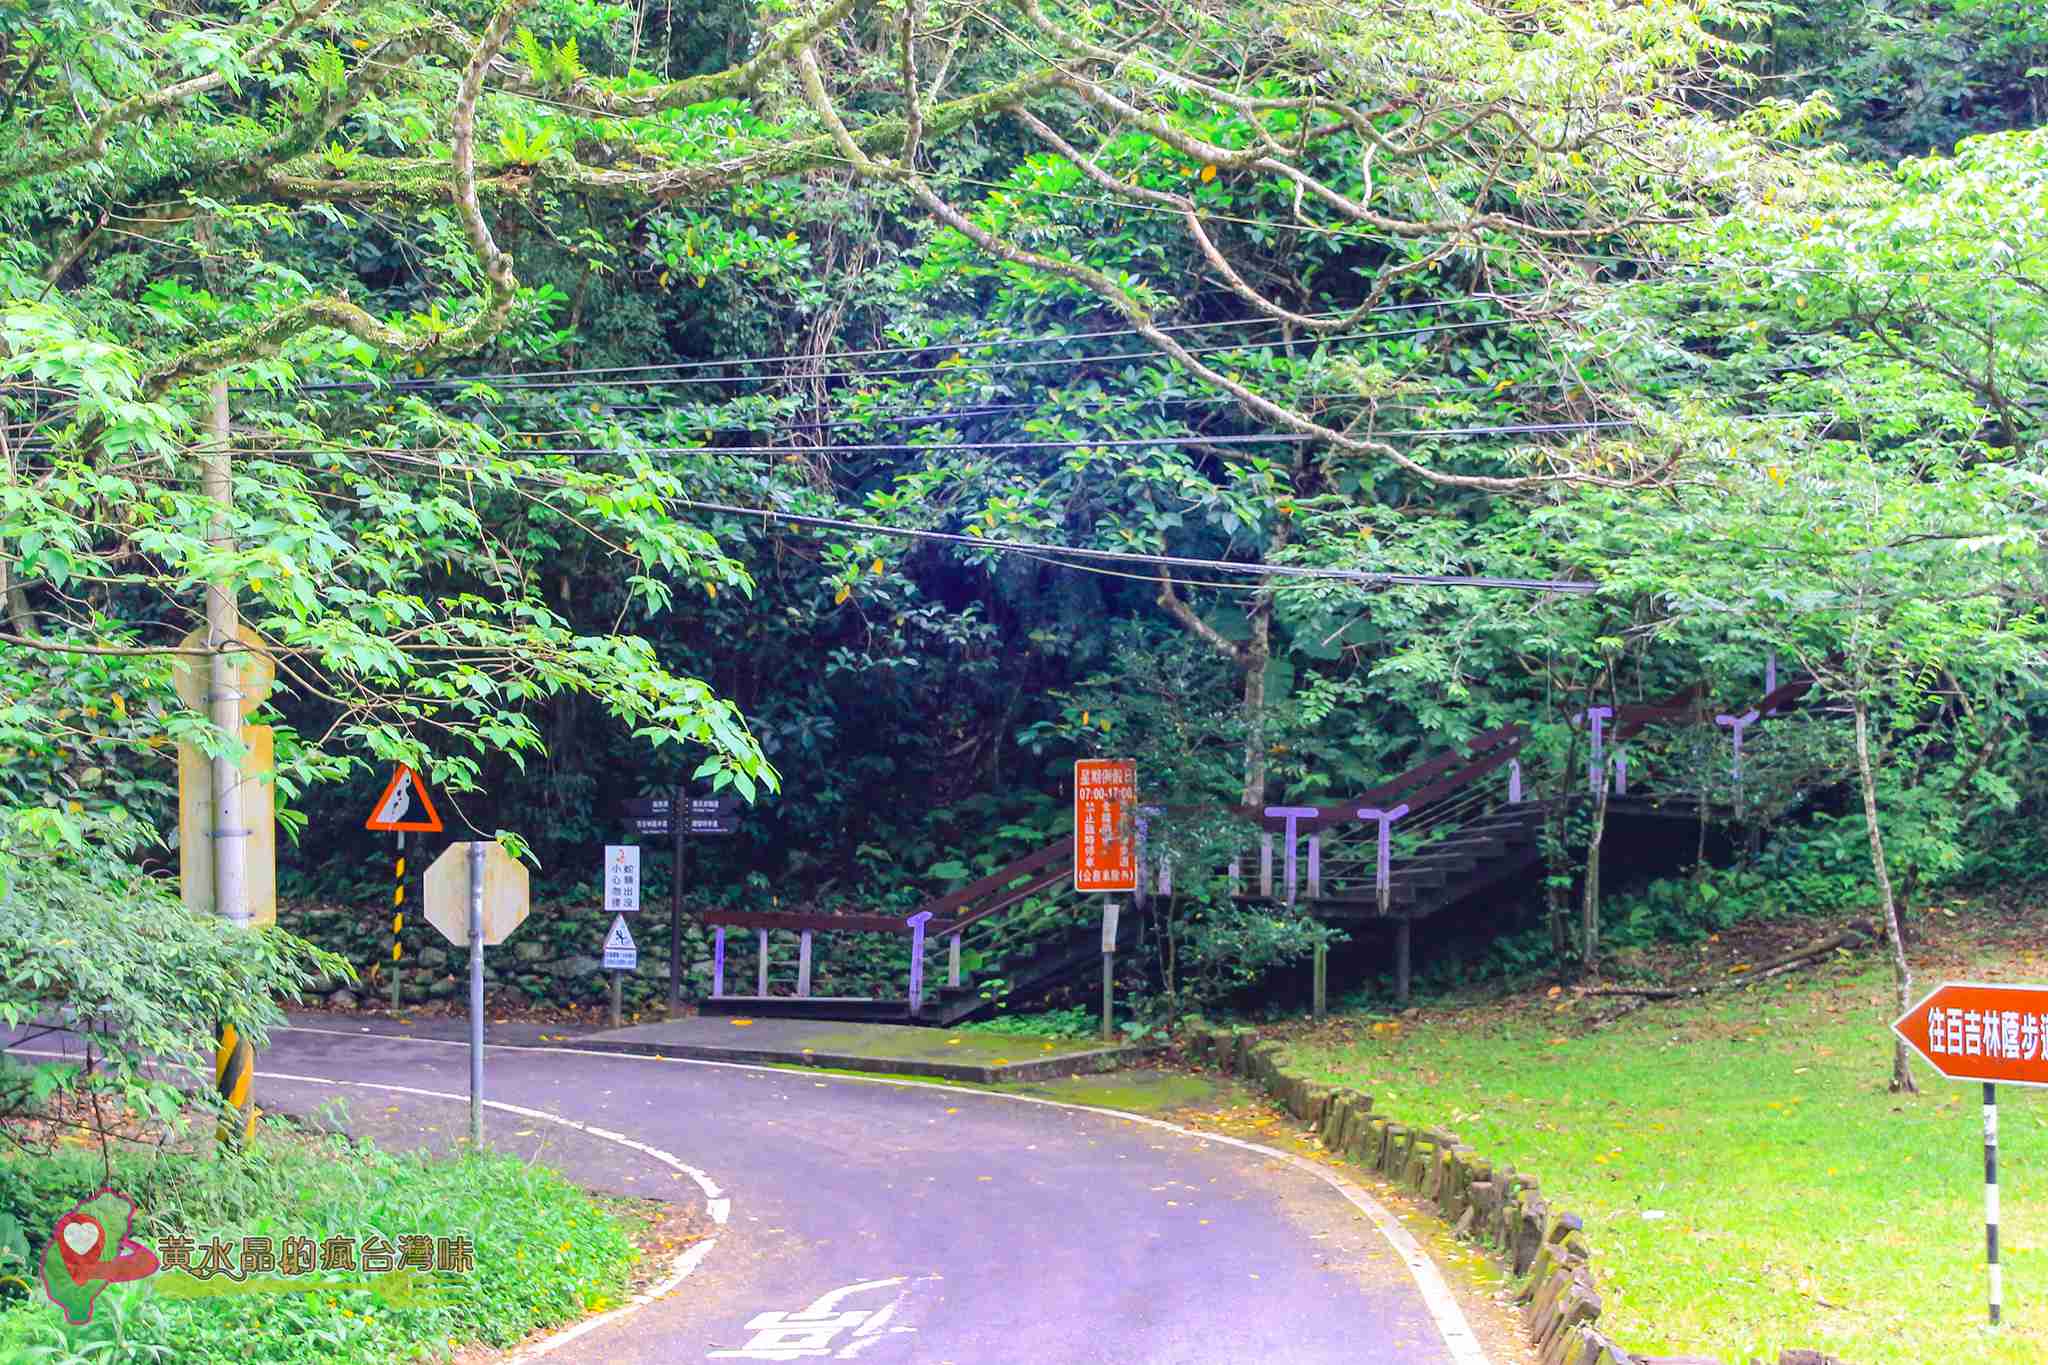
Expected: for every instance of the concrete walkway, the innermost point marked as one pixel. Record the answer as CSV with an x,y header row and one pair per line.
x,y
881,1049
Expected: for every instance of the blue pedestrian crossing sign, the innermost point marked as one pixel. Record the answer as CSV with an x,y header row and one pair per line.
x,y
620,953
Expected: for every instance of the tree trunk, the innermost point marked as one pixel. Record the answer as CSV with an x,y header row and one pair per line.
x,y
1699,852
1589,916
1557,865
1902,1073
13,600
1257,651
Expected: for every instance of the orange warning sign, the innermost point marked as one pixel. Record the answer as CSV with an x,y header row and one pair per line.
x,y
1105,825
390,812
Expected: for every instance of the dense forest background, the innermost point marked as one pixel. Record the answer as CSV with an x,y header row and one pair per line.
x,y
1783,269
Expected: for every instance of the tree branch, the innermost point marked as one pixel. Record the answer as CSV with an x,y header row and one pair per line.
x,y
268,337
93,145
1179,610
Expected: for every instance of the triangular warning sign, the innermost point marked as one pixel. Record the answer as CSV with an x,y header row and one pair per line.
x,y
389,813
620,939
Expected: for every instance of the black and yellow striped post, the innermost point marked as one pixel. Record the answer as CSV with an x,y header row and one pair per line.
x,y
397,915
234,1073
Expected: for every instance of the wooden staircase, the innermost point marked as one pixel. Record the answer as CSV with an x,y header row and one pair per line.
x,y
1454,827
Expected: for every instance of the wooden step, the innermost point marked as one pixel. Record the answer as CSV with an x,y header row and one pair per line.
x,y
848,1008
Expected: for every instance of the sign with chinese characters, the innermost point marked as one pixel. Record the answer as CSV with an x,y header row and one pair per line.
x,y
622,879
621,954
1971,1031
1105,818
665,806
695,824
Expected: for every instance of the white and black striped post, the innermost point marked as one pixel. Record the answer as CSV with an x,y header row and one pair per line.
x,y
1991,1196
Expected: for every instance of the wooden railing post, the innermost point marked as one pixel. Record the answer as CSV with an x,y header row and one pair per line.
x,y
1315,867
803,966
1266,865
763,991
953,959
1383,870
1293,815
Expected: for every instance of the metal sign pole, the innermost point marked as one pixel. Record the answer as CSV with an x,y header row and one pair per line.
x,y
1109,917
1991,1197
476,993
397,915
677,807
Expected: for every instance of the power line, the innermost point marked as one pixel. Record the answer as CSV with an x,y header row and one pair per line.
x,y
1365,577
542,382
1050,338
1111,442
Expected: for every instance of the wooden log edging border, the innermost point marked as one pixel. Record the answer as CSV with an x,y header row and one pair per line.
x,y
1499,1208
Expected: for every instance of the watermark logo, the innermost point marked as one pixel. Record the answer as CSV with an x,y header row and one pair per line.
x,y
90,1249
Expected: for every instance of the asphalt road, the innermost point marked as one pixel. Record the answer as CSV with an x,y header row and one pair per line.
x,y
898,1223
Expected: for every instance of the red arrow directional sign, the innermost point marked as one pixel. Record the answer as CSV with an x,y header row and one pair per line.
x,y
1971,1031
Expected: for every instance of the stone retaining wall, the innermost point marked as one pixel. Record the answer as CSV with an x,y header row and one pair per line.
x,y
1498,1207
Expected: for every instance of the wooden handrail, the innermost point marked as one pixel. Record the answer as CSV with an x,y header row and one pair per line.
x,y
799,921
1503,742
1000,878
1016,894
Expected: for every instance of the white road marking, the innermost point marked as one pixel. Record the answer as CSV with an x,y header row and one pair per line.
x,y
1451,1324
810,1331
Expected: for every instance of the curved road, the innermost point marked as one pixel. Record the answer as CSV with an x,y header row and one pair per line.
x,y
900,1223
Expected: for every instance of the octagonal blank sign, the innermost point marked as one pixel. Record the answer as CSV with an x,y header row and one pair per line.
x,y
447,894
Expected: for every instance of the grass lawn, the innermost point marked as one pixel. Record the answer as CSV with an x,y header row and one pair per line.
x,y
1747,1182
545,1253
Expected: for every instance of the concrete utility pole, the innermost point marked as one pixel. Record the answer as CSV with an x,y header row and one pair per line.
x,y
234,1059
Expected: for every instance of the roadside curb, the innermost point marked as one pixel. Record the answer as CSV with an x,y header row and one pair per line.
x,y
1092,1062
1499,1208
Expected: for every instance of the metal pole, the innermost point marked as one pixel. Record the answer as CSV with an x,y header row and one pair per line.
x,y
476,993
397,915
234,1059
1109,931
1991,1198
1322,980
677,813
1108,996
